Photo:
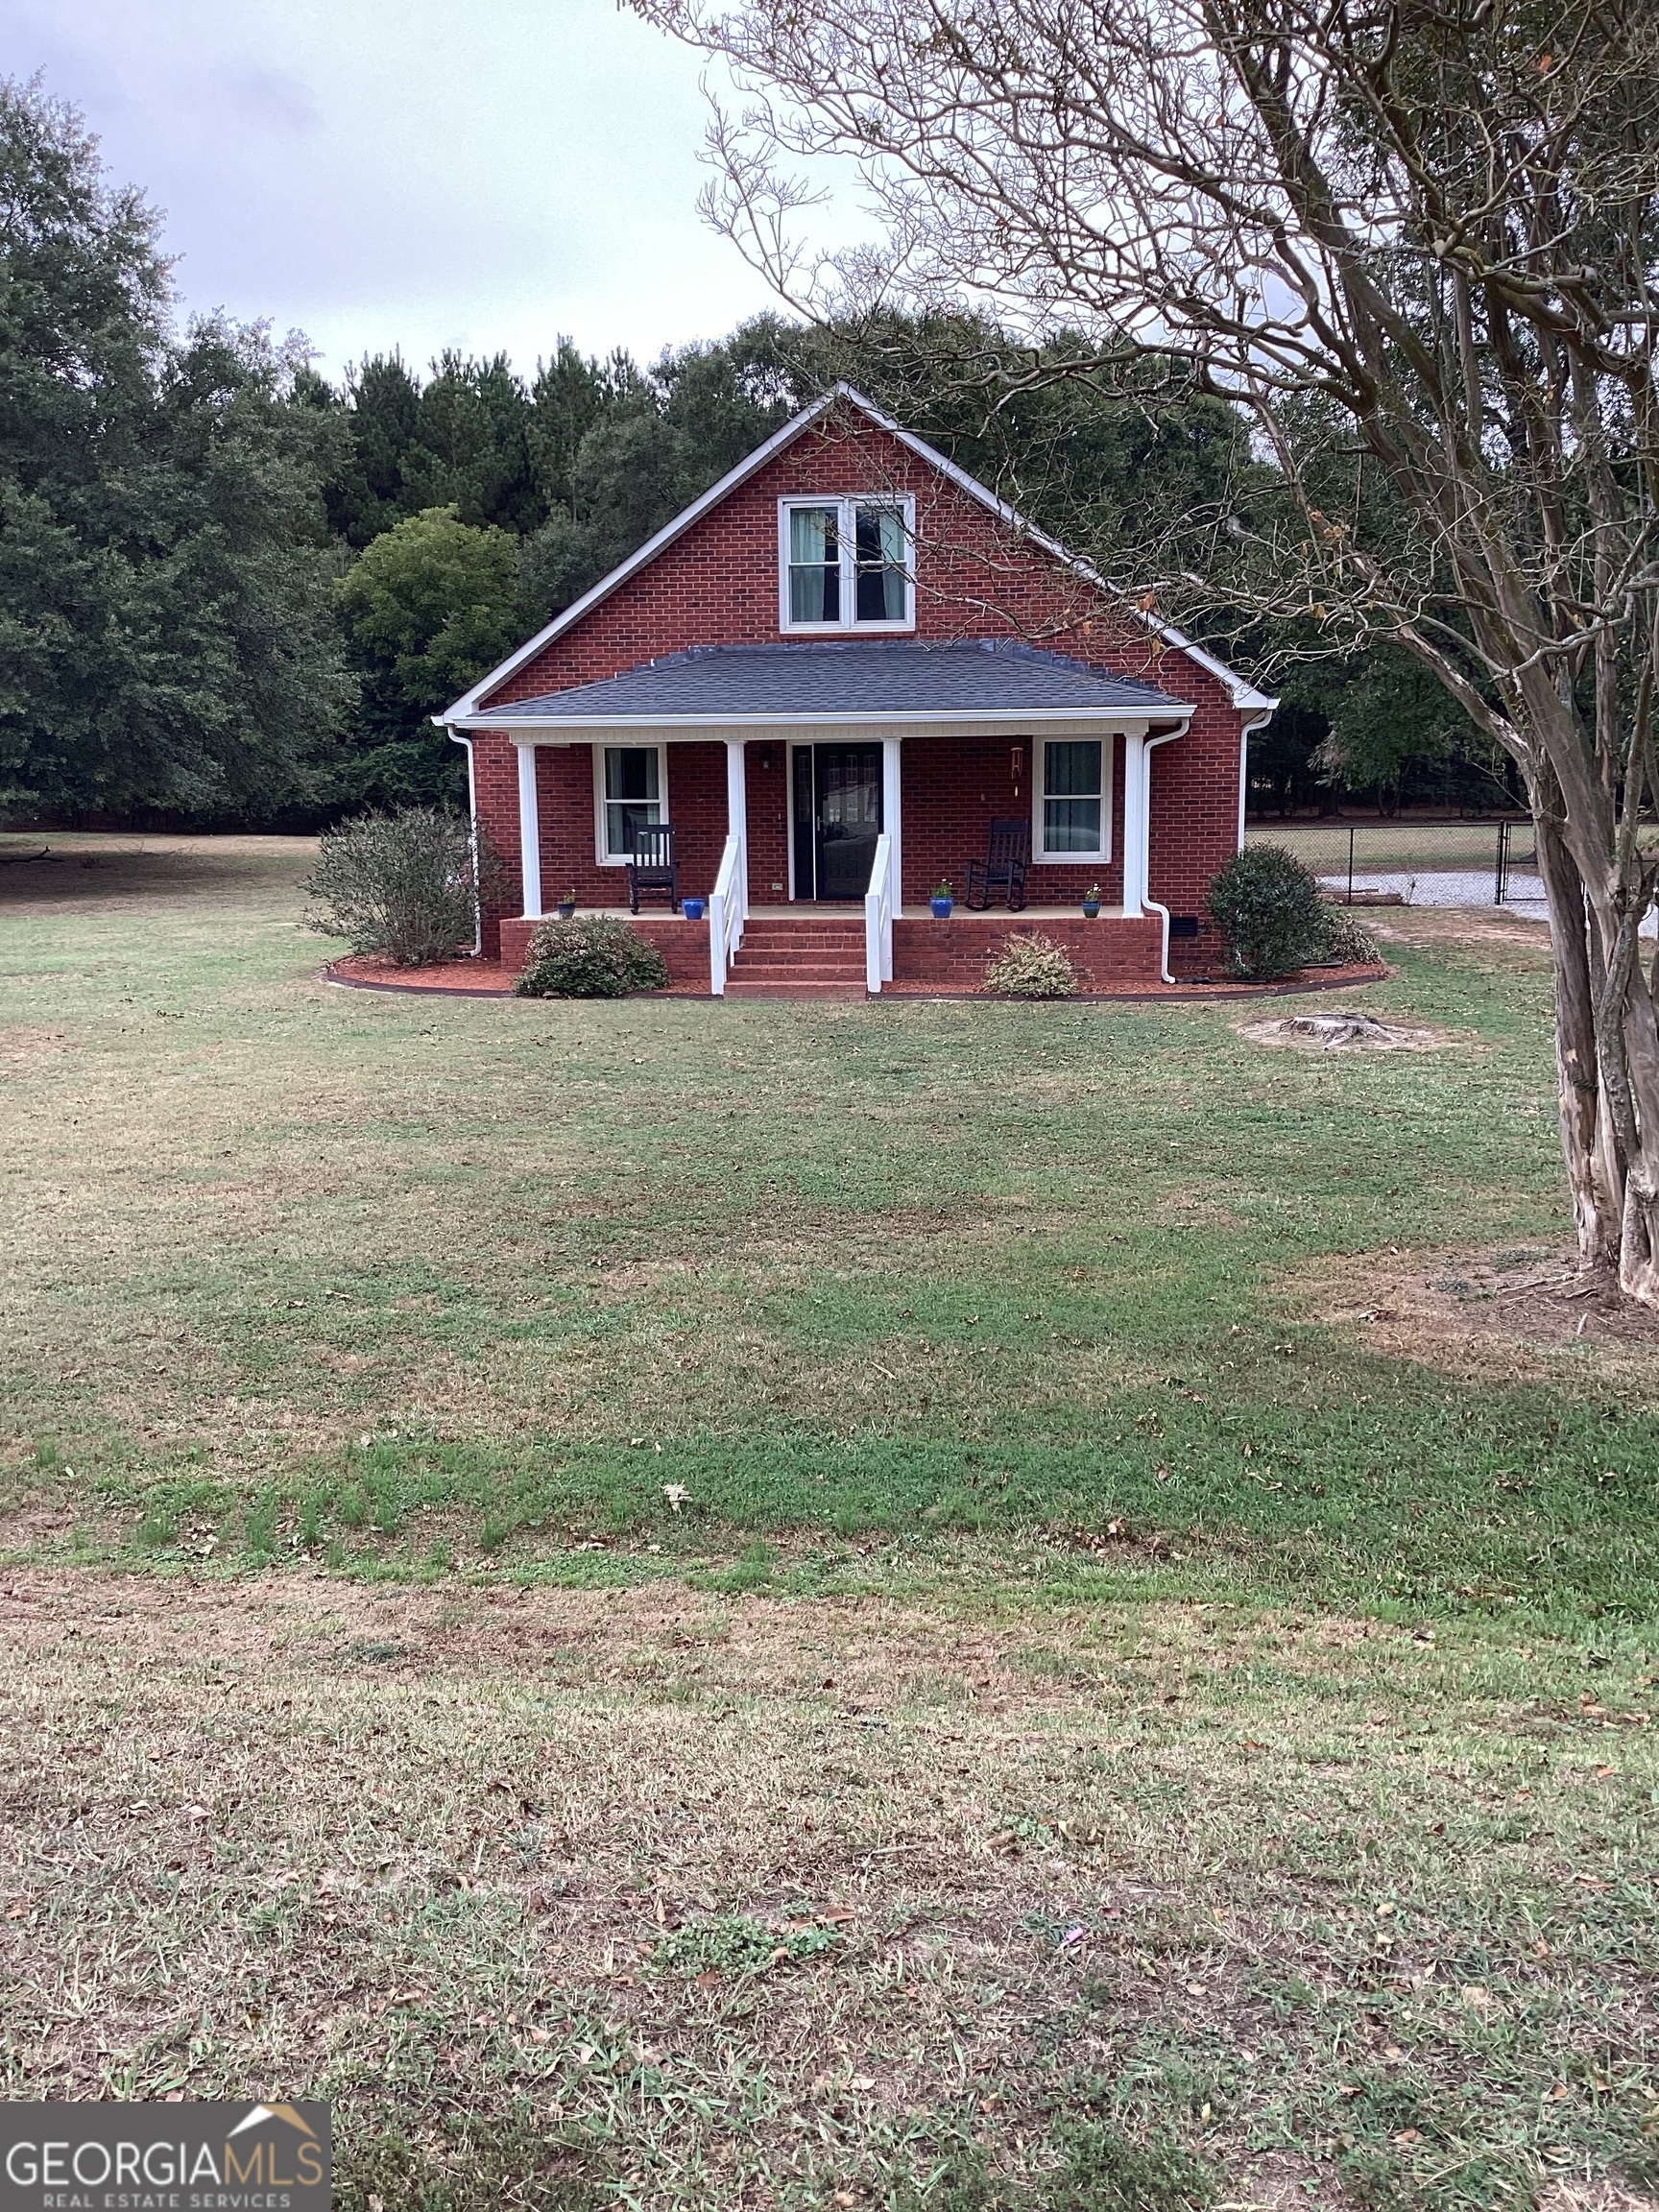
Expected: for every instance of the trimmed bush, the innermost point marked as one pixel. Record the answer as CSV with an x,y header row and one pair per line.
x,y
1346,938
590,957
403,886
1269,909
1031,965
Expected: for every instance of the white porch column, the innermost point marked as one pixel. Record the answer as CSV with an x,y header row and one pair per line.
x,y
529,833
737,812
890,811
1133,826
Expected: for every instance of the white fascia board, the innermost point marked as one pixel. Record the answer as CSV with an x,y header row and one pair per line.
x,y
468,703
544,728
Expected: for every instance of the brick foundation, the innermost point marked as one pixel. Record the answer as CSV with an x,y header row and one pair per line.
x,y
927,955
683,945
951,955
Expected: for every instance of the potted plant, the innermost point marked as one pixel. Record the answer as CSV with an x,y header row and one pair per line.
x,y
567,906
941,900
1091,901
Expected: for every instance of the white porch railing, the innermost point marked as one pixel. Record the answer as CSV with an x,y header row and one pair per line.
x,y
879,902
728,911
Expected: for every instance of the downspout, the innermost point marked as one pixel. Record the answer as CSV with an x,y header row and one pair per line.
x,y
471,832
1146,898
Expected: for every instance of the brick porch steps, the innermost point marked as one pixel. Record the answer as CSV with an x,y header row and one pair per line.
x,y
815,957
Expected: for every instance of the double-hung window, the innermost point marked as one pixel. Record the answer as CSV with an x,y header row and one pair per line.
x,y
1074,800
846,565
632,789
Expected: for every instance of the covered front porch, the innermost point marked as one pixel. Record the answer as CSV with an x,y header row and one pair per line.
x,y
814,837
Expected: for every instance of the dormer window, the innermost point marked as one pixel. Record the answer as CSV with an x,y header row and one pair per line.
x,y
845,564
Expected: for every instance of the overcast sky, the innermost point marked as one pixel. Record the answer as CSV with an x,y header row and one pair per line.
x,y
413,173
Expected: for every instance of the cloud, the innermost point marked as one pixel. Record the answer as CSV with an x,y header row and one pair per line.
x,y
270,98
408,173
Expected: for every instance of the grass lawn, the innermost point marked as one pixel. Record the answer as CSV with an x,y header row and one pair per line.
x,y
931,1603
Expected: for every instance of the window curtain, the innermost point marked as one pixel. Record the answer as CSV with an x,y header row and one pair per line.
x,y
633,794
881,561
814,565
1071,797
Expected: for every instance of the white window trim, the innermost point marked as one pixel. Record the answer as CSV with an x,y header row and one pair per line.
x,y
846,533
601,842
1041,856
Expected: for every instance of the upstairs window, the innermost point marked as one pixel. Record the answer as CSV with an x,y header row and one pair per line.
x,y
846,565
1073,821
814,565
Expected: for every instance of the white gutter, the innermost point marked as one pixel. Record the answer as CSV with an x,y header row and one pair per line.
x,y
579,731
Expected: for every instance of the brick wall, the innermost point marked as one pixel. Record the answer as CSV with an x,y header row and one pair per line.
x,y
950,790
976,578
683,945
766,803
951,955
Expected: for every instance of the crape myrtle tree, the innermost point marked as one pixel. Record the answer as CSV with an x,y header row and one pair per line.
x,y
1416,241
167,632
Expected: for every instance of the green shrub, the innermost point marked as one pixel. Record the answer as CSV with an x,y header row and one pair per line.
x,y
1269,909
1346,938
590,957
1029,965
404,886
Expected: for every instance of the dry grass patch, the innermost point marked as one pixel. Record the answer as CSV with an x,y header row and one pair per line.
x,y
1500,937
26,1045
1492,1315
747,1904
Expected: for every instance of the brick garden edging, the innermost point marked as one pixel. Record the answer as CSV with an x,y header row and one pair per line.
x,y
464,980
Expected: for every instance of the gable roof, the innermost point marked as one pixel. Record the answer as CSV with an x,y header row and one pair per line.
x,y
987,679
1243,695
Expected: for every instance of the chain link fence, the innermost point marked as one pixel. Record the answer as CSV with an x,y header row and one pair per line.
x,y
1487,863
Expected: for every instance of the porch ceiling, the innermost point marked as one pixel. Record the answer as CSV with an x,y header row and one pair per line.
x,y
866,683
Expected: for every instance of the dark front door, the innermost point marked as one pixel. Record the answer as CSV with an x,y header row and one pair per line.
x,y
837,819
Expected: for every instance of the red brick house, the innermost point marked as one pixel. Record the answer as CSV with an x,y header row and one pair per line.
x,y
829,675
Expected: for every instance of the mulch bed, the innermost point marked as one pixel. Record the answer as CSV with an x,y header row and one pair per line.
x,y
474,978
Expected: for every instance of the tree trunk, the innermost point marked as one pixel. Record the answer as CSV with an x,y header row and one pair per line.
x,y
1592,1173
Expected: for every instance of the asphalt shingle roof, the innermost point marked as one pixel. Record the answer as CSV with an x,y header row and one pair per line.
x,y
858,677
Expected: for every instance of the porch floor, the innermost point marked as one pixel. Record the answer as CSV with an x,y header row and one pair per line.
x,y
807,909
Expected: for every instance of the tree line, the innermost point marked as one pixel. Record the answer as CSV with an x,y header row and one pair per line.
x,y
232,591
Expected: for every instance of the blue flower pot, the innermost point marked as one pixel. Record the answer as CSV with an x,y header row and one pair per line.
x,y
1090,910
692,910
940,908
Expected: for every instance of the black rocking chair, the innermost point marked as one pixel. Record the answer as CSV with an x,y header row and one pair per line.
x,y
652,867
1007,855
